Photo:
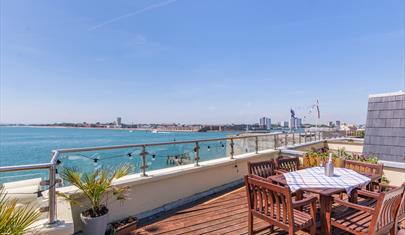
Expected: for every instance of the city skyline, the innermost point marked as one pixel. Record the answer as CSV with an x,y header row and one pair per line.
x,y
141,60
262,122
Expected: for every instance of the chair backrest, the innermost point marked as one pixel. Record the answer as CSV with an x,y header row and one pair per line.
x,y
401,210
386,210
263,169
272,202
363,167
288,163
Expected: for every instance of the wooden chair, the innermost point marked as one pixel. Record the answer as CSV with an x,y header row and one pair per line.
x,y
273,204
362,220
401,211
263,169
365,168
288,164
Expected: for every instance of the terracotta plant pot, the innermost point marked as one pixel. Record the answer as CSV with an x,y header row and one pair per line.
x,y
339,162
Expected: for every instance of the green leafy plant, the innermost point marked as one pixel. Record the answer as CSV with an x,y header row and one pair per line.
x,y
361,134
15,219
316,157
95,186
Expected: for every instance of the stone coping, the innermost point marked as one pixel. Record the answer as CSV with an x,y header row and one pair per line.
x,y
398,165
387,94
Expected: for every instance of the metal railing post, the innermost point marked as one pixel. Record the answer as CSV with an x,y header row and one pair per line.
x,y
319,135
232,148
275,141
144,164
52,195
257,144
196,154
286,139
293,138
305,137
299,138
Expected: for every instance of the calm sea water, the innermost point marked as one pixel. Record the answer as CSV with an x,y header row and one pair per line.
x,y
26,145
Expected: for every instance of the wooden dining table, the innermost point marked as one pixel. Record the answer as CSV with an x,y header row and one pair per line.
x,y
325,199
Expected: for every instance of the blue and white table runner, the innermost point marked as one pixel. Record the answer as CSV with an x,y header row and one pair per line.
x,y
315,178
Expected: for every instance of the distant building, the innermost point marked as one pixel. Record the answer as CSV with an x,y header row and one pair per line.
x,y
347,127
292,123
118,122
265,122
330,124
338,124
262,121
298,123
285,124
295,123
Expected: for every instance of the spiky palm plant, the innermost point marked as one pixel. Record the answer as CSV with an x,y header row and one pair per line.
x,y
15,219
95,186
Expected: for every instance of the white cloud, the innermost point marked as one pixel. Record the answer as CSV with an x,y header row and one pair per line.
x,y
145,9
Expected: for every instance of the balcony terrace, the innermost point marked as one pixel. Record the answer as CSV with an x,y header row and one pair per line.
x,y
198,198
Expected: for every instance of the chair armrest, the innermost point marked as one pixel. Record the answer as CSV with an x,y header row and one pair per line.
x,y
280,172
386,186
354,206
305,201
368,193
257,177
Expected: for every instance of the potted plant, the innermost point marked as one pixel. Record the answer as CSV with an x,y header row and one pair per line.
x,y
315,158
15,219
125,226
95,187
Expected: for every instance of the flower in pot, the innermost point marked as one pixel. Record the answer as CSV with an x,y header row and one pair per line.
x,y
95,186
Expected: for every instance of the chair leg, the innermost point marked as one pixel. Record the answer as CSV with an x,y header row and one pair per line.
x,y
271,228
313,229
250,223
393,230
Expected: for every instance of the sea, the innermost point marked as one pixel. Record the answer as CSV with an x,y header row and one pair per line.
x,y
31,145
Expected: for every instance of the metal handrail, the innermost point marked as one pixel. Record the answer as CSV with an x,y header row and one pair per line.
x,y
88,149
25,167
51,166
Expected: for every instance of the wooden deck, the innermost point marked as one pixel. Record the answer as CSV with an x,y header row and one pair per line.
x,y
224,214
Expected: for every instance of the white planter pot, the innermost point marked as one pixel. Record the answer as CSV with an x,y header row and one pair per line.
x,y
94,225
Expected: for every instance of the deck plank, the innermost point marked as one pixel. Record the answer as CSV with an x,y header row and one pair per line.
x,y
225,214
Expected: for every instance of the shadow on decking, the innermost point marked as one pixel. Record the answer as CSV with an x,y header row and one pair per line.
x,y
223,213
220,214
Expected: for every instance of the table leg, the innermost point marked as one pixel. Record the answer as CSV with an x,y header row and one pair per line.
x,y
353,197
299,195
326,209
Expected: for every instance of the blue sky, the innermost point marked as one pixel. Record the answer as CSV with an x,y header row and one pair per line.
x,y
189,61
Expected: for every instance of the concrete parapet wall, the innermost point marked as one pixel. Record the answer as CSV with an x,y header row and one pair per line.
x,y
155,193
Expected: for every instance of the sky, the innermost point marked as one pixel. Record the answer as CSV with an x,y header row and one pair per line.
x,y
189,61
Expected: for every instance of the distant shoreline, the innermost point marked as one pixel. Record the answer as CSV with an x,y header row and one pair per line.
x,y
102,128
